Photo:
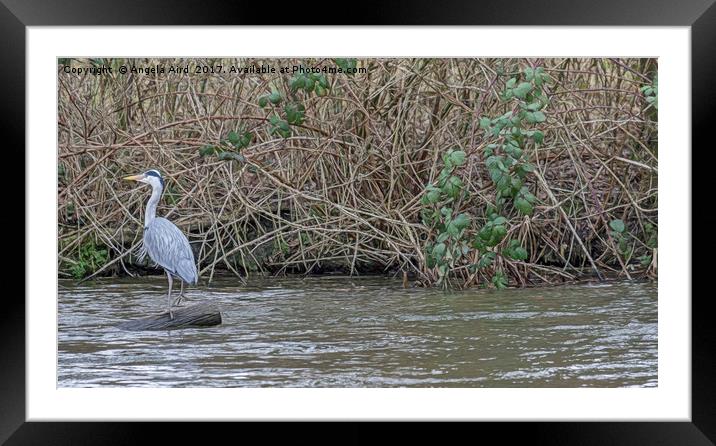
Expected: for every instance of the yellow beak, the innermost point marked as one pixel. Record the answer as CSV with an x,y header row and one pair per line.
x,y
134,177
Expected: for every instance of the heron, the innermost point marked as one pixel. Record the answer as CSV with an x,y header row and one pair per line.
x,y
164,242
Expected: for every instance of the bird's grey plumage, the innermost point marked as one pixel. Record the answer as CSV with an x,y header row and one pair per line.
x,y
169,248
164,242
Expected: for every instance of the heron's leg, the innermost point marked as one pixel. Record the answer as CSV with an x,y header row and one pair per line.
x,y
181,295
169,295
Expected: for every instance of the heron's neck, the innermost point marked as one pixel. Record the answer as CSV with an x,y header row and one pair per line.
x,y
152,205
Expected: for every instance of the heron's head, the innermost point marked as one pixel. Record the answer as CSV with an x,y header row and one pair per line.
x,y
151,177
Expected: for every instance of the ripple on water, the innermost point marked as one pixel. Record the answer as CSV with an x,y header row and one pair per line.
x,y
362,332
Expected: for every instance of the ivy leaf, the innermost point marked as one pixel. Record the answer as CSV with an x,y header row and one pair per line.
x,y
323,82
534,106
296,83
529,73
498,233
439,250
486,260
233,138
515,251
433,196
452,187
462,221
308,85
207,150
457,157
523,206
294,113
347,65
499,220
617,226
499,280
522,90
275,97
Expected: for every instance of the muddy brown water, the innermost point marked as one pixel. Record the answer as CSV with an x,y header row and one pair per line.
x,y
361,332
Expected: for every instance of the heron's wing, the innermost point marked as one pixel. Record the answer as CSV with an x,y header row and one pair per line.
x,y
168,247
140,252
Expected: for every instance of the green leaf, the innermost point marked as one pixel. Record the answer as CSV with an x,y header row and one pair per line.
x,y
294,113
207,150
485,123
520,253
515,251
308,85
534,106
529,73
499,280
296,83
522,90
499,220
452,229
486,260
452,187
477,243
246,139
439,250
442,269
523,206
233,138
617,226
498,233
275,97
539,116
433,196
457,157
347,65
538,136
493,161
263,101
527,167
323,82
462,221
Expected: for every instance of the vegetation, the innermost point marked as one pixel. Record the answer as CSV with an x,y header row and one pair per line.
x,y
458,172
87,260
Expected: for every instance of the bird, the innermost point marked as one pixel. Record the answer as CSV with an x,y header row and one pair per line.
x,y
164,242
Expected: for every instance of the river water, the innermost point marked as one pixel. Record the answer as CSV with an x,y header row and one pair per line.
x,y
361,332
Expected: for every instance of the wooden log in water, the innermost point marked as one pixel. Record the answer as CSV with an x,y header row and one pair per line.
x,y
199,315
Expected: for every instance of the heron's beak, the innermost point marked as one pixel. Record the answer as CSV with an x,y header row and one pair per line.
x,y
134,177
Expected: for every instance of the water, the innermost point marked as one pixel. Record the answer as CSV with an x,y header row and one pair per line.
x,y
362,332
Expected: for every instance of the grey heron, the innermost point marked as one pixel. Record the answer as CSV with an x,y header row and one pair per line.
x,y
164,242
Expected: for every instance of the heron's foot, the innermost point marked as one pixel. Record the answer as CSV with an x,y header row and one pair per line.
x,y
171,314
179,300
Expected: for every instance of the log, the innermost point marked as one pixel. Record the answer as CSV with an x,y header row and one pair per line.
x,y
199,315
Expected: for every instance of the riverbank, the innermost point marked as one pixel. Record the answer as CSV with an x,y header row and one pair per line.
x,y
457,172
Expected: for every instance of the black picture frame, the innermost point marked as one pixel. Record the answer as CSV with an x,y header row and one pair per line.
x,y
700,15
